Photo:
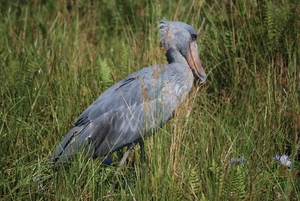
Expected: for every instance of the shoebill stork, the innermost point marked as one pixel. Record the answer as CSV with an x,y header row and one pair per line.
x,y
138,105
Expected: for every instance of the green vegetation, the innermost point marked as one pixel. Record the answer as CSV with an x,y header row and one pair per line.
x,y
57,57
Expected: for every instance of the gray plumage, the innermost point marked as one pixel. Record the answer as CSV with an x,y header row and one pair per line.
x,y
139,104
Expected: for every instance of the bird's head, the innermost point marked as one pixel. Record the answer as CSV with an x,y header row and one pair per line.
x,y
181,37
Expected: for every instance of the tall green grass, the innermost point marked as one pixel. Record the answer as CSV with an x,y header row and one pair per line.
x,y
56,58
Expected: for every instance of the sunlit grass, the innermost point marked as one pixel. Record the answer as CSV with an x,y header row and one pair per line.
x,y
57,58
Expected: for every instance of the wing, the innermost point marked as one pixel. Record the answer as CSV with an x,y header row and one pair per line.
x,y
124,93
116,119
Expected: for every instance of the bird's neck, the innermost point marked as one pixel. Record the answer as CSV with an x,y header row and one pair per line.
x,y
174,56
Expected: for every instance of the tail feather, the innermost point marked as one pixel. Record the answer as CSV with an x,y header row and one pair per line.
x,y
85,139
69,145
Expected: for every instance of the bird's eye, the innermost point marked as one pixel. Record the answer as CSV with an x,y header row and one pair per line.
x,y
194,37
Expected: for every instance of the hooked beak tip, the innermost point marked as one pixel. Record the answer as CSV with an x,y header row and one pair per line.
x,y
202,79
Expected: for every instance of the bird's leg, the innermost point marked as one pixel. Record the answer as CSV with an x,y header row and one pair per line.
x,y
142,146
122,162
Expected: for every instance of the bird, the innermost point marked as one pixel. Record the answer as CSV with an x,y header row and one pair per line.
x,y
138,105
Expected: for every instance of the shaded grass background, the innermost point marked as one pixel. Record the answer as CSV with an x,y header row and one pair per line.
x,y
57,57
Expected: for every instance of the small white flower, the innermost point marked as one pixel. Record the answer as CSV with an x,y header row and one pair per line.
x,y
283,160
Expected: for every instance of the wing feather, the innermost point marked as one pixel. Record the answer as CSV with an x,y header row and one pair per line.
x,y
116,119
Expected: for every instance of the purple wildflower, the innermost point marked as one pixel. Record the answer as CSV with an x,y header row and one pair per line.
x,y
284,160
237,160
107,161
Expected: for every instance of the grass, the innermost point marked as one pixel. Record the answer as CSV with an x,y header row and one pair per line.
x,y
56,58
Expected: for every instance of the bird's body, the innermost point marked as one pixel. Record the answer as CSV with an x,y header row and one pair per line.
x,y
137,105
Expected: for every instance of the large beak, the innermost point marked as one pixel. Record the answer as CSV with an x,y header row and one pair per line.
x,y
194,62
